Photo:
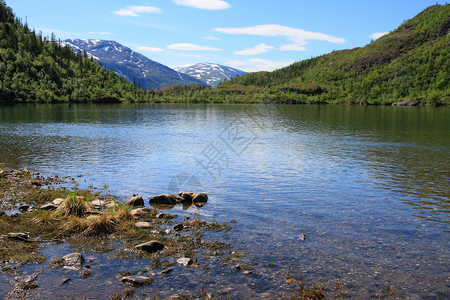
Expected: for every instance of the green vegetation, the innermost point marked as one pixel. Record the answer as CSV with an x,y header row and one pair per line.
x,y
411,62
37,69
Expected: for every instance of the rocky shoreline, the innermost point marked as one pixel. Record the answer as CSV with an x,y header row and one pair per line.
x,y
37,212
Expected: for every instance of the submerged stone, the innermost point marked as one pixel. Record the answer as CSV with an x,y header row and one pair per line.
x,y
137,280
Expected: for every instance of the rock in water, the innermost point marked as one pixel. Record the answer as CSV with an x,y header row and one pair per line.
x,y
187,196
184,261
152,246
137,280
136,201
162,199
73,260
200,198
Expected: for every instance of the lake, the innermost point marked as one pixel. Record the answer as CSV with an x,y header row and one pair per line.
x,y
367,187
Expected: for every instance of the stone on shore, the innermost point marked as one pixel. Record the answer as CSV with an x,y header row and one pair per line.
x,y
136,201
18,236
49,206
143,225
135,213
58,201
152,246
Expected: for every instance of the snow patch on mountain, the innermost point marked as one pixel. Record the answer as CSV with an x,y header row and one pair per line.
x,y
210,73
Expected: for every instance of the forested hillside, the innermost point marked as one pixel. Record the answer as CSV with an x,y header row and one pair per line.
x,y
412,62
38,69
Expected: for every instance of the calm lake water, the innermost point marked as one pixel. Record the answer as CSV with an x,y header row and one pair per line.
x,y
368,186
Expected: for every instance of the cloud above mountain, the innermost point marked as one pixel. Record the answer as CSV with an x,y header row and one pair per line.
x,y
258,49
298,38
204,4
136,11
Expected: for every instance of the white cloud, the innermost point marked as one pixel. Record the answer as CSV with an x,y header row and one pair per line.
x,y
297,37
99,32
257,64
377,35
204,4
136,11
258,49
191,47
149,49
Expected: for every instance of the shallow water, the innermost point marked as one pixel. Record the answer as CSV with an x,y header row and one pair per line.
x,y
369,186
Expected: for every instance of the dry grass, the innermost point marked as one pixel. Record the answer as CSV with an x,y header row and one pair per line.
x,y
103,224
73,206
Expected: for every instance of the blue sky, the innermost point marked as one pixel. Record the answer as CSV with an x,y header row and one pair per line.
x,y
252,35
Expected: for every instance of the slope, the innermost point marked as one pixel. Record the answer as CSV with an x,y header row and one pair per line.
x,y
36,69
134,66
413,61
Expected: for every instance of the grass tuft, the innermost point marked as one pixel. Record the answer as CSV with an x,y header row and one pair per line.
x,y
73,206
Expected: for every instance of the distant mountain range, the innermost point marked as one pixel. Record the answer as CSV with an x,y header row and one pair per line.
x,y
211,74
134,66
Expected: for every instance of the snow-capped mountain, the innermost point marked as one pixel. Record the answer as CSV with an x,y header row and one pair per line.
x,y
133,65
211,74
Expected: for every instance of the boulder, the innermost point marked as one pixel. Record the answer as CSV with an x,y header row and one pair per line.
x,y
164,199
152,246
136,201
200,198
137,280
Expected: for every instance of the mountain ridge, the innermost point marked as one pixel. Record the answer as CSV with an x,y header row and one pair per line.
x,y
134,66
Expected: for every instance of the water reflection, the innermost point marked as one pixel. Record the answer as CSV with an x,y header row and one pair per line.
x,y
367,185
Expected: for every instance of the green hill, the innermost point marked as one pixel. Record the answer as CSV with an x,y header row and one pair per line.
x,y
411,62
37,69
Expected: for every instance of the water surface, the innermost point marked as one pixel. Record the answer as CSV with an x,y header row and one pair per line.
x,y
367,185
